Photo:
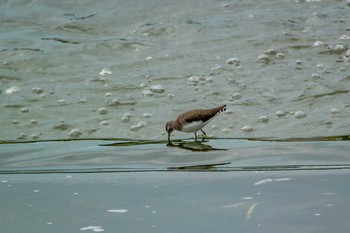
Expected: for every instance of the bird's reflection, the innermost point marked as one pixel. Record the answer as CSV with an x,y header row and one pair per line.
x,y
193,146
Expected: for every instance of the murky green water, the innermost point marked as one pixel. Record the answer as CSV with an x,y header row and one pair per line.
x,y
53,58
86,88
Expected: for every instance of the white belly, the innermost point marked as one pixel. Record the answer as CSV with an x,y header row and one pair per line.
x,y
194,126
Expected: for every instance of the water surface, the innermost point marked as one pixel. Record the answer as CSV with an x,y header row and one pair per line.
x,y
53,55
86,88
250,186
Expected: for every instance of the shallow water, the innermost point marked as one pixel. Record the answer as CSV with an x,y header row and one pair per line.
x,y
52,56
247,186
86,88
215,155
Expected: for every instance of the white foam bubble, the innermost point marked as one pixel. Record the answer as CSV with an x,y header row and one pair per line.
x,y
279,56
24,110
92,228
214,127
344,37
233,61
339,48
75,133
216,67
247,128
299,114
263,119
12,90
37,90
347,53
335,110
125,119
299,62
263,181
104,123
282,179
193,80
138,126
105,71
102,111
226,130
318,43
82,100
128,114
147,93
280,113
34,136
61,101
118,211
114,102
157,88
236,96
147,115
22,136
263,58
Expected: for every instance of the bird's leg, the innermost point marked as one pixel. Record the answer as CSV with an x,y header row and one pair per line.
x,y
205,135
168,137
195,136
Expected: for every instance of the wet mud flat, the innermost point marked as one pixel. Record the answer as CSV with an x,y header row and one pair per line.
x,y
221,185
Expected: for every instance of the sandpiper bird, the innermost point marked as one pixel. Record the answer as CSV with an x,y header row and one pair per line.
x,y
193,121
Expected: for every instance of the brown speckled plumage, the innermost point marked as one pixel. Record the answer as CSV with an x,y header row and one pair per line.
x,y
198,115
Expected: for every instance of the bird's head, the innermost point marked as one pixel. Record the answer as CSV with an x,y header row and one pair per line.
x,y
170,126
